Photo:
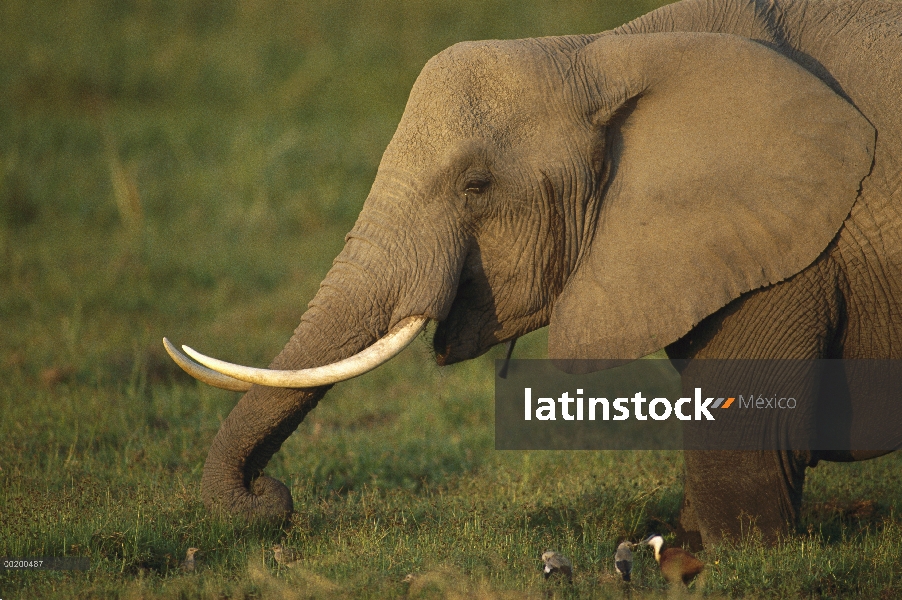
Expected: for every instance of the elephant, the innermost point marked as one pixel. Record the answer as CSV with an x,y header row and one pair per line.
x,y
716,178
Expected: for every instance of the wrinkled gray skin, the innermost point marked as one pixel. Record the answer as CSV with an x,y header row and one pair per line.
x,y
637,189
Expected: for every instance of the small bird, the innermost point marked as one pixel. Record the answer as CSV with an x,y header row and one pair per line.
x,y
556,563
623,559
190,560
676,564
285,556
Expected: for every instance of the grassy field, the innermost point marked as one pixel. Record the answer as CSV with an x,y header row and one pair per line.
x,y
189,169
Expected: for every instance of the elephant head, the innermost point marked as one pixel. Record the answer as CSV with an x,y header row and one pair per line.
x,y
618,188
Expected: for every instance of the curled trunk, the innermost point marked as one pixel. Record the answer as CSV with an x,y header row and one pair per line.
x,y
362,298
265,416
233,476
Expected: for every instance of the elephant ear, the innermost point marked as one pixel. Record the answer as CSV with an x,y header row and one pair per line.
x,y
730,168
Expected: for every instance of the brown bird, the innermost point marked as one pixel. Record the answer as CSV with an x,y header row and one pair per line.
x,y
676,564
190,561
623,559
285,556
556,563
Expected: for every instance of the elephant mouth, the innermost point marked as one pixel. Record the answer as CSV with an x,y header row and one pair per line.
x,y
470,328
474,324
451,345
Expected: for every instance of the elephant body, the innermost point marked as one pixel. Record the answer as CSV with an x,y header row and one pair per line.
x,y
847,303
720,178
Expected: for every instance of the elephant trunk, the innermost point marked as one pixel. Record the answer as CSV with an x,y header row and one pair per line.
x,y
233,477
367,291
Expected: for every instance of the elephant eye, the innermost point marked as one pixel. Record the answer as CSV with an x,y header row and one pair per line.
x,y
476,185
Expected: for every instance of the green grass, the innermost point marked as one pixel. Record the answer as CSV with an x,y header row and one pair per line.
x,y
189,169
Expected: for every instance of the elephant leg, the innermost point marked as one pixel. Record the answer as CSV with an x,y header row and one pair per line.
x,y
730,493
737,493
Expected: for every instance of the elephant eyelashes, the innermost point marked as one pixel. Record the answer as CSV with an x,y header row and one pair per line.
x,y
476,186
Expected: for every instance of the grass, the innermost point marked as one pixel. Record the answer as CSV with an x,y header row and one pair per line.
x,y
189,169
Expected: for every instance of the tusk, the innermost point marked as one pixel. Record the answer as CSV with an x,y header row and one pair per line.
x,y
366,360
202,373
